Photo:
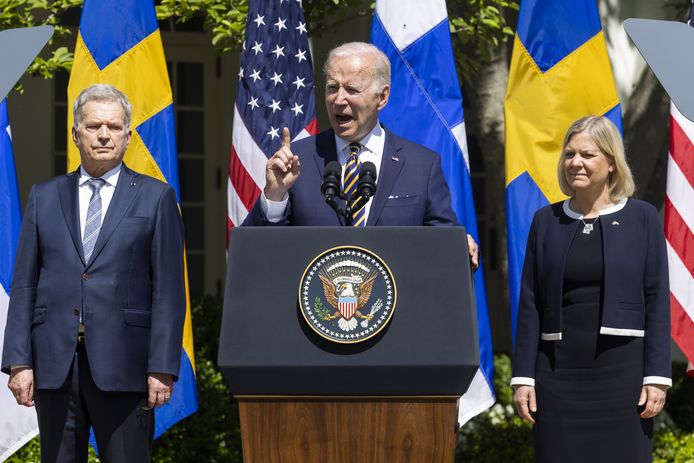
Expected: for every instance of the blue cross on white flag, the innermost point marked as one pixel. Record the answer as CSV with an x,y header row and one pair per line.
x,y
18,424
426,106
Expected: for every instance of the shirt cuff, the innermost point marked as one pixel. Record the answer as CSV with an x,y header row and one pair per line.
x,y
522,381
660,380
17,367
274,210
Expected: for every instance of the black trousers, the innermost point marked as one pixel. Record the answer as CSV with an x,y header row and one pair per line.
x,y
123,427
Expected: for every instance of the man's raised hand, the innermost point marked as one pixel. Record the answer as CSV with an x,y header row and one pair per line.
x,y
282,170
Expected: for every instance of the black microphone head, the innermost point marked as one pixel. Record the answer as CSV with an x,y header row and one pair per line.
x,y
333,168
331,179
367,180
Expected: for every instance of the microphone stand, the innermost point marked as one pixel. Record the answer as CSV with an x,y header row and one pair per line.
x,y
343,216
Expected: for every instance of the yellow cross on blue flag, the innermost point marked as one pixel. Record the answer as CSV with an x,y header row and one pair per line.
x,y
559,73
119,44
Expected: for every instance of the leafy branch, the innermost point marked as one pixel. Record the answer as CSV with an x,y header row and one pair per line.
x,y
320,310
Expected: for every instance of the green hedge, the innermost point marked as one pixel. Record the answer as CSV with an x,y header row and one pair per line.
x,y
496,436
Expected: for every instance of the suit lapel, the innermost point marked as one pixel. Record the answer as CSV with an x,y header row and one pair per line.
x,y
69,202
126,190
392,163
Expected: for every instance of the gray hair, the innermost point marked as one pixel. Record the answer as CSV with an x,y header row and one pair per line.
x,y
101,92
381,69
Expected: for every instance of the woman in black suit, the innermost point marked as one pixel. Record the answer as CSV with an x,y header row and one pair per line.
x,y
592,355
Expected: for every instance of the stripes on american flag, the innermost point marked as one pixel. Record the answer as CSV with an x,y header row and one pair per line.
x,y
679,230
275,90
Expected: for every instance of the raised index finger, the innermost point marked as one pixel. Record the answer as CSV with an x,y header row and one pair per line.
x,y
286,138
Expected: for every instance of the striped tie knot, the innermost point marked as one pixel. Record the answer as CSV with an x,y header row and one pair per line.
x,y
355,148
96,184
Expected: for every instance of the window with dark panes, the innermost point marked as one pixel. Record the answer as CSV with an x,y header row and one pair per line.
x,y
187,84
60,122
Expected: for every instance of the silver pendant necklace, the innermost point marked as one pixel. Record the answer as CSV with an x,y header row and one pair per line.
x,y
588,227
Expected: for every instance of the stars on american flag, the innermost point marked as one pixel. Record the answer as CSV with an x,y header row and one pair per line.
x,y
276,77
299,82
274,132
275,106
278,51
301,55
297,109
280,24
259,20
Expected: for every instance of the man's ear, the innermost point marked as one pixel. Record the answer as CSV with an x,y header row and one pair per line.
x,y
384,95
74,135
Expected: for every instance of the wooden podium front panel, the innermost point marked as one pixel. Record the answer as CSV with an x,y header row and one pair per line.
x,y
348,430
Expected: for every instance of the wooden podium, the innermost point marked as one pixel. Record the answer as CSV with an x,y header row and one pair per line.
x,y
391,398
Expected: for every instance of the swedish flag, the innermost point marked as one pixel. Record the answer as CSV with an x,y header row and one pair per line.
x,y
559,72
119,44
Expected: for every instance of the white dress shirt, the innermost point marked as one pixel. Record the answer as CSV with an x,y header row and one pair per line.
x,y
106,193
373,143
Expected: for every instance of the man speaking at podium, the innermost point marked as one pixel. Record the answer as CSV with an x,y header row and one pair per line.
x,y
411,187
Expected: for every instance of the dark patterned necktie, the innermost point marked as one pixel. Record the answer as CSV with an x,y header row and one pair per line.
x,y
93,223
349,184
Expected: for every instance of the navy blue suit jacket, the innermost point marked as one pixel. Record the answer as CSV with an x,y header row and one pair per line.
x,y
636,293
131,292
411,189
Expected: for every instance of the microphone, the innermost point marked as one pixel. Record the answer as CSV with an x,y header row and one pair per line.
x,y
366,185
330,188
331,181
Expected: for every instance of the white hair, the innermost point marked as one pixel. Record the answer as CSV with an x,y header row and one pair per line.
x,y
381,69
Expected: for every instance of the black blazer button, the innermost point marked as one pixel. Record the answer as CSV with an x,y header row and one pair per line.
x,y
76,312
85,276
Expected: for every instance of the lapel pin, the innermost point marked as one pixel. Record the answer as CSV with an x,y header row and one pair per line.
x,y
614,222
133,183
395,158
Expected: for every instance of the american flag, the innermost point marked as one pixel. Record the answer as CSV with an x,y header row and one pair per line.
x,y
275,90
679,228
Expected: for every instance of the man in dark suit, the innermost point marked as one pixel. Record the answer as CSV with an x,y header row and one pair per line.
x,y
97,305
411,188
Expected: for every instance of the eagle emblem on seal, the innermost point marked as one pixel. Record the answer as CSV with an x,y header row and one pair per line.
x,y
347,294
347,287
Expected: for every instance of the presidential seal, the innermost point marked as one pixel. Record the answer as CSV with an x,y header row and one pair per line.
x,y
347,294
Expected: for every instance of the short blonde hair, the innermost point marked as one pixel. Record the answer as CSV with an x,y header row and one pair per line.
x,y
608,139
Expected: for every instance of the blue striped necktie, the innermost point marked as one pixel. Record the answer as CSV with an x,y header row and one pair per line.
x,y
349,184
93,222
